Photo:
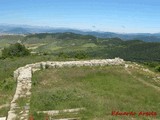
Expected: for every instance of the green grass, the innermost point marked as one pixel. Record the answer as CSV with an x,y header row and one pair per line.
x,y
9,39
66,45
99,89
3,111
89,45
7,83
148,77
103,48
34,46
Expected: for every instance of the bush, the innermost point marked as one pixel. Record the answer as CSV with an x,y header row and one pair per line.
x,y
63,55
15,50
157,68
81,55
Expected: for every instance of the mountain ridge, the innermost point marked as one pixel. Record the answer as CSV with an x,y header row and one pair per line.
x,y
26,29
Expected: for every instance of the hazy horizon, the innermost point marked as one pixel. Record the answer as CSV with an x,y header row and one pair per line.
x,y
120,16
68,28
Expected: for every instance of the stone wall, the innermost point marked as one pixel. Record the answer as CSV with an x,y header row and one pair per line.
x,y
23,75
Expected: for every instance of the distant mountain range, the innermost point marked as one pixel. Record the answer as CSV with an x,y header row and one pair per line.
x,y
26,29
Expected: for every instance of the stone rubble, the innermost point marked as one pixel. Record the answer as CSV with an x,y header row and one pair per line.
x,y
57,112
2,118
23,75
154,77
4,106
67,119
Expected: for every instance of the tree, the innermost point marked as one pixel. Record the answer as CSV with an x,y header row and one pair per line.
x,y
15,50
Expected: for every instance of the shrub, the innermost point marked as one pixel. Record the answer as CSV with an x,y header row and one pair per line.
x,y
81,55
15,50
63,55
157,68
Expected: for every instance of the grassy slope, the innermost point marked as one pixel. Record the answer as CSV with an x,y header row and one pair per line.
x,y
7,84
9,39
99,89
6,40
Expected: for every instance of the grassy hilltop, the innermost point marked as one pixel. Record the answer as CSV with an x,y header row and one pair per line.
x,y
99,89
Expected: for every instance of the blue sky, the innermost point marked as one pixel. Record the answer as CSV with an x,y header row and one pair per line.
x,y
124,16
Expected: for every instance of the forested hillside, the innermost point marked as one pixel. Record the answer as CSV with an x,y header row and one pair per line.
x,y
71,45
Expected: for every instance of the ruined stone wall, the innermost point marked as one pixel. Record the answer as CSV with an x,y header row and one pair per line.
x,y
23,75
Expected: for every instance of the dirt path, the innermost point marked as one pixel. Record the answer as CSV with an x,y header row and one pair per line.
x,y
139,79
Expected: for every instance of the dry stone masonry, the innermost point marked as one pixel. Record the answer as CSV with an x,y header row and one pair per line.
x,y
3,118
23,75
